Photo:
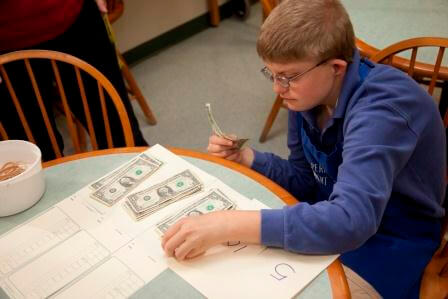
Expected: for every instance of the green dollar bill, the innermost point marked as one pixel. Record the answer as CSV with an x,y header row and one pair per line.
x,y
215,200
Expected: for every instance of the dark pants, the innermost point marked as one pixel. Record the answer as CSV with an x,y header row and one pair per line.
x,y
86,39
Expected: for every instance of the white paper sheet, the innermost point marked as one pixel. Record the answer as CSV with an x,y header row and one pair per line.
x,y
37,236
268,273
113,279
59,266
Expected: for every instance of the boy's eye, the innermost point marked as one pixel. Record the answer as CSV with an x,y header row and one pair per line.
x,y
286,76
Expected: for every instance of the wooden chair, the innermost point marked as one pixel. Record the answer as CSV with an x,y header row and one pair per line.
x,y
434,283
436,72
115,10
267,6
421,69
54,59
213,7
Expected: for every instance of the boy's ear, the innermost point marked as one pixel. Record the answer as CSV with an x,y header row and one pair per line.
x,y
339,66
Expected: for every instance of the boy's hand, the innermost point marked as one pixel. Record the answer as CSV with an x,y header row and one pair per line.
x,y
192,236
228,149
222,147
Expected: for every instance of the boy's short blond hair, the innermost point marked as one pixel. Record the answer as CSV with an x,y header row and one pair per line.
x,y
304,29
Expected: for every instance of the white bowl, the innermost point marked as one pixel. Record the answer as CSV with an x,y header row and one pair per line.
x,y
24,190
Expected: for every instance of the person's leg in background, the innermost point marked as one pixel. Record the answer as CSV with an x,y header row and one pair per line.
x,y
88,40
21,84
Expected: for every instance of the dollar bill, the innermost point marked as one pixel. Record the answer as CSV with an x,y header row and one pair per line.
x,y
140,215
176,186
215,200
217,130
120,185
154,198
117,172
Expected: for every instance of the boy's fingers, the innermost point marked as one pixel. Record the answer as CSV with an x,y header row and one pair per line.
x,y
219,141
218,149
169,233
214,148
233,156
233,137
224,154
173,243
194,253
183,250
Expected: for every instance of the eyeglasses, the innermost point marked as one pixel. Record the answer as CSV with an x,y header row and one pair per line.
x,y
283,80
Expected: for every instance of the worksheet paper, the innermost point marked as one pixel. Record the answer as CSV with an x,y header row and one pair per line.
x,y
82,248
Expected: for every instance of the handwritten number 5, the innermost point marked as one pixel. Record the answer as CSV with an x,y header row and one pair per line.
x,y
279,276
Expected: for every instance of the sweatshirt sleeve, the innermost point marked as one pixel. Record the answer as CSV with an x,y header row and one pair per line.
x,y
293,174
378,143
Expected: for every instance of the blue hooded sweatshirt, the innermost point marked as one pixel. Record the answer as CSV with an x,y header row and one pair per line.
x,y
373,184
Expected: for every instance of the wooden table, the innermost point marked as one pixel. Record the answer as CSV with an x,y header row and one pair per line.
x,y
63,178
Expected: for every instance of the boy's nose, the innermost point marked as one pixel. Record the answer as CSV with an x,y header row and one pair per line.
x,y
278,88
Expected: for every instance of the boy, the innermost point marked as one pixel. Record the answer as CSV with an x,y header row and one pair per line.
x,y
367,157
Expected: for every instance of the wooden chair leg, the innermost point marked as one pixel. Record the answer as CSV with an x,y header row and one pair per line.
x,y
136,91
213,8
3,134
270,120
338,280
443,104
